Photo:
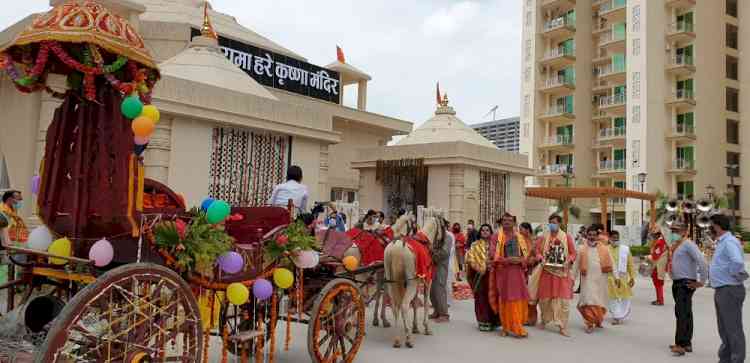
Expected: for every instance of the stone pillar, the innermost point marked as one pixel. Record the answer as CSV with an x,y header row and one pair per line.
x,y
323,187
158,155
456,194
471,195
362,95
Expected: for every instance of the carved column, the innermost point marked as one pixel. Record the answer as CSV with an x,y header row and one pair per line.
x,y
157,157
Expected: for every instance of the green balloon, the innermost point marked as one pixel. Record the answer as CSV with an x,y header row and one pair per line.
x,y
218,212
131,107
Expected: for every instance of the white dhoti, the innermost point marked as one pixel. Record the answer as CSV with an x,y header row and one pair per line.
x,y
619,308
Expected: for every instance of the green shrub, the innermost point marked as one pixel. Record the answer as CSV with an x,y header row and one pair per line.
x,y
747,247
640,251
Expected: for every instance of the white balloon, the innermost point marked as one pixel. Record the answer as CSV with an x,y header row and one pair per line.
x,y
306,259
101,253
40,239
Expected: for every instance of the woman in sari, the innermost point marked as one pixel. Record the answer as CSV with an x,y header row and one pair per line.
x,y
479,262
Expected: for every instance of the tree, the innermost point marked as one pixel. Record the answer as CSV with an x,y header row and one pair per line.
x,y
563,204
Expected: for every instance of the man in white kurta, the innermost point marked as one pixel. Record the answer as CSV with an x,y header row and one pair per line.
x,y
594,265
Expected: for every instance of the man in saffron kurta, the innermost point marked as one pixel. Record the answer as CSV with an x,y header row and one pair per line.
x,y
509,294
479,263
551,283
595,266
622,280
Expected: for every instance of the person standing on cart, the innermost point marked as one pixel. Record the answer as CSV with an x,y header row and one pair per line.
x,y
291,189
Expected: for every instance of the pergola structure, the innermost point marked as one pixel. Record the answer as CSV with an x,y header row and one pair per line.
x,y
603,194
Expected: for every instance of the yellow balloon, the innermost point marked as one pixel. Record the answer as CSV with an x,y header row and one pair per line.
x,y
60,247
237,293
351,263
283,278
151,112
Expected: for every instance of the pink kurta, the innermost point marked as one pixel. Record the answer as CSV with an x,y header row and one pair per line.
x,y
557,285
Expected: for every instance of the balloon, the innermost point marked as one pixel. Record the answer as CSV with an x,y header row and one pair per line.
x,y
283,278
61,247
101,253
231,262
143,126
351,263
218,212
131,107
207,203
141,140
40,239
35,182
262,289
306,259
151,112
237,293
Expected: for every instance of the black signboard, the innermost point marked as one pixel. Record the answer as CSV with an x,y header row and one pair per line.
x,y
280,71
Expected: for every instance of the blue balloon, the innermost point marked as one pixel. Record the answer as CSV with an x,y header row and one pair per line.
x,y
207,203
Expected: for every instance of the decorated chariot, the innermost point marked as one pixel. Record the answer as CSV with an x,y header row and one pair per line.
x,y
121,270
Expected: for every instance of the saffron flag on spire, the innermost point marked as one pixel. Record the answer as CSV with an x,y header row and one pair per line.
x,y
340,54
438,98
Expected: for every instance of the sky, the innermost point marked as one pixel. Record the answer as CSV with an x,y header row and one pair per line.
x,y
471,47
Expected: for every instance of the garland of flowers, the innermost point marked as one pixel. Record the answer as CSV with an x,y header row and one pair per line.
x,y
224,345
274,317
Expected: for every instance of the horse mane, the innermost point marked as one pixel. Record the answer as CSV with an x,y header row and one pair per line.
x,y
401,227
432,229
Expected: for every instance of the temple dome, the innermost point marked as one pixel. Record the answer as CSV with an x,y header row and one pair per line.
x,y
445,127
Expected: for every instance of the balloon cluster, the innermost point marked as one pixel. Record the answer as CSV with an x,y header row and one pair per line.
x,y
145,118
41,239
216,210
239,294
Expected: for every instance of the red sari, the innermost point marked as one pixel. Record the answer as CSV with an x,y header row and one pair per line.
x,y
657,251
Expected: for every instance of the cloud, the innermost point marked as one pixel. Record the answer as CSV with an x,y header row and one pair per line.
x,y
447,20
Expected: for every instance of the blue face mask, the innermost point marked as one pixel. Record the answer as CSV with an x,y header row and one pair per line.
x,y
554,228
674,237
18,205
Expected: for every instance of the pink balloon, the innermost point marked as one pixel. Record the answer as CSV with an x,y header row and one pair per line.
x,y
141,140
101,253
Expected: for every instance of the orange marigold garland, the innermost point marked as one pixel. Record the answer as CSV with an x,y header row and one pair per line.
x,y
260,339
224,344
274,317
300,294
288,337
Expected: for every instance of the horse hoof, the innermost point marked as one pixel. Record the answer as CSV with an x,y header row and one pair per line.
x,y
409,345
376,323
386,324
428,332
397,345
415,331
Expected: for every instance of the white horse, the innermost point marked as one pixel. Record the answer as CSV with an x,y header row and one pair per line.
x,y
401,275
379,295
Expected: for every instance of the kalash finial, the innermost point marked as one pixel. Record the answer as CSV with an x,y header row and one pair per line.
x,y
445,100
208,29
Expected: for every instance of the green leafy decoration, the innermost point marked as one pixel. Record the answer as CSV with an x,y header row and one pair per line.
x,y
297,238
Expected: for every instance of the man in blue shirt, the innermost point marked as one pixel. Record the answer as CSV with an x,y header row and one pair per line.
x,y
727,274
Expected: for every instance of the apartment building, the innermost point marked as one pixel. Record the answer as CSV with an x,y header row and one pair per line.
x,y
504,133
615,90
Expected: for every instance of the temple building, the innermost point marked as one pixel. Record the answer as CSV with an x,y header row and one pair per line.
x,y
236,110
444,164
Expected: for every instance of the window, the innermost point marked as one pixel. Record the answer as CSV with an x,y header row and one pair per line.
x,y
685,189
733,99
733,132
733,159
636,84
684,55
636,153
732,37
343,195
637,46
636,114
732,68
732,8
734,198
636,18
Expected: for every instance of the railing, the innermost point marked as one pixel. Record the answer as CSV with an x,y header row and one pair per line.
x,y
606,70
556,23
684,95
683,130
558,81
680,27
611,5
563,139
557,110
599,114
614,100
558,52
557,169
609,38
618,201
611,165
683,164
613,132
681,60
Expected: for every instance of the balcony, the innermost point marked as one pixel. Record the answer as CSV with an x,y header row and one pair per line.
x,y
680,32
681,65
557,142
612,134
562,5
682,166
680,4
560,27
612,42
613,10
681,132
611,166
598,115
555,170
600,87
557,85
609,73
558,114
612,104
558,58
682,98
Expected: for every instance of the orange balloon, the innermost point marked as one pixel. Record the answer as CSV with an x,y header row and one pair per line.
x,y
143,126
350,263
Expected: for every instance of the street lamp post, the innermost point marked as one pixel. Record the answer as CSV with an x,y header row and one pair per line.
x,y
642,180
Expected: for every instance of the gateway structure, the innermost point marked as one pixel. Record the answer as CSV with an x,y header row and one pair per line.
x,y
236,110
444,164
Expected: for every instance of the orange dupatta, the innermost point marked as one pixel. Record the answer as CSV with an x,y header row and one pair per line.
x,y
605,259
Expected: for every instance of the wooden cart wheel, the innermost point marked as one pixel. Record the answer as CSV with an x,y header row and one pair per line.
x,y
337,328
240,325
134,313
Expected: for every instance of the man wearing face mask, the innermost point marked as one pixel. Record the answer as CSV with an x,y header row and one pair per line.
x,y
622,280
552,287
11,206
727,274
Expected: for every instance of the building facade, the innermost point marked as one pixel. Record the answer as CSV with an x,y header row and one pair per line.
x,y
503,133
612,89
